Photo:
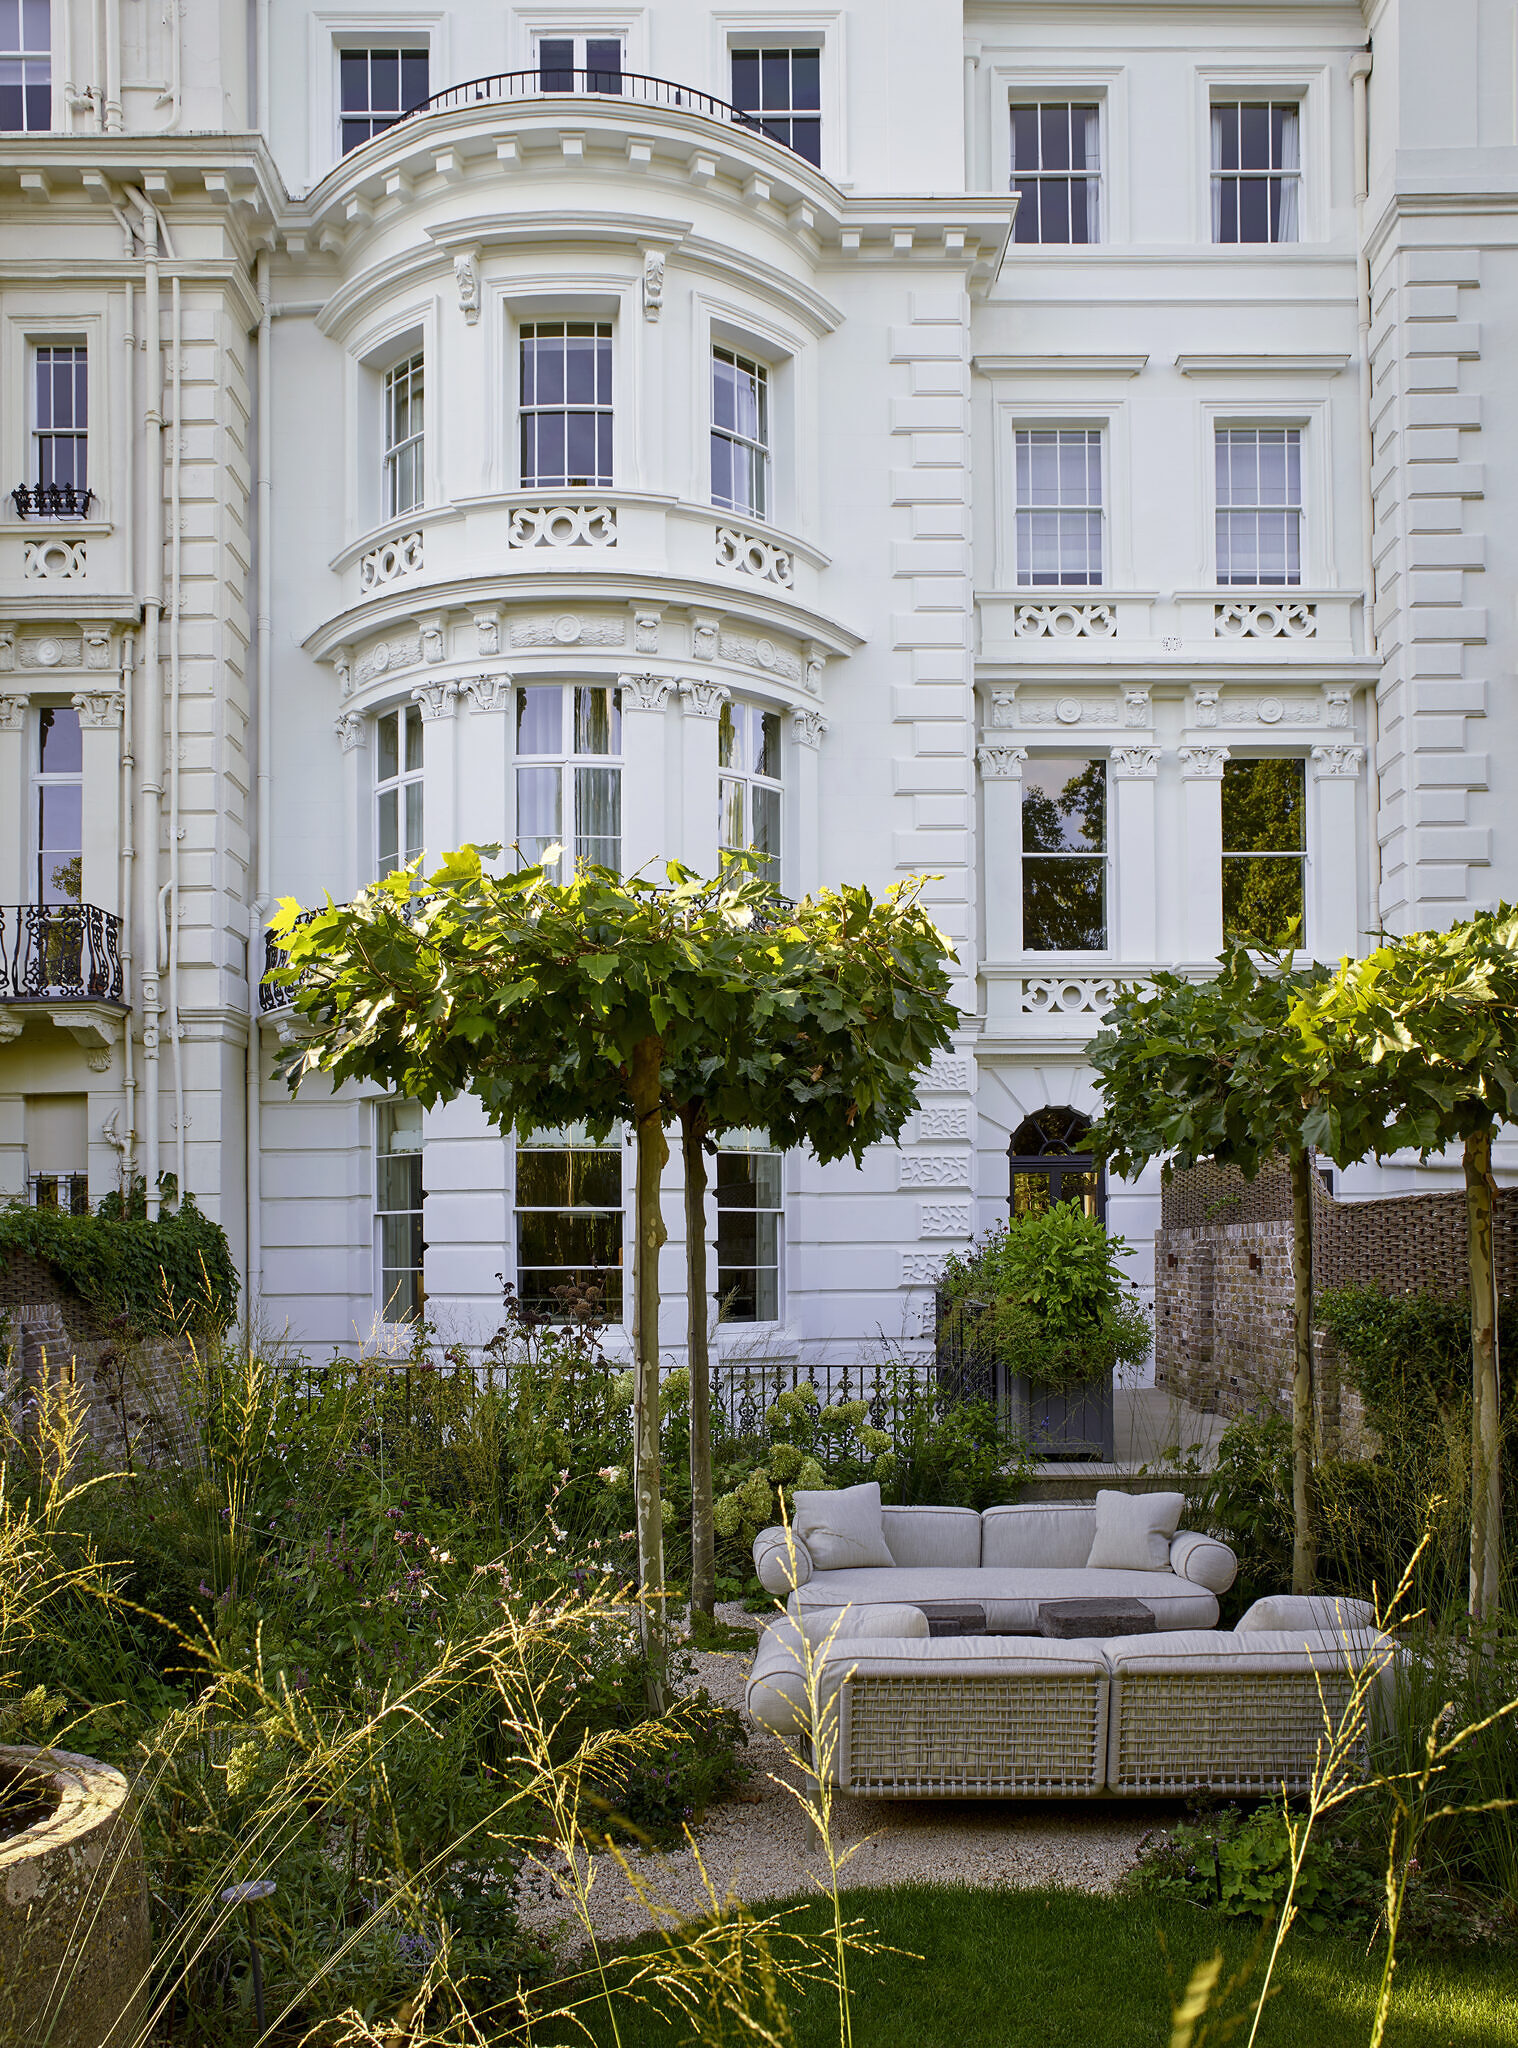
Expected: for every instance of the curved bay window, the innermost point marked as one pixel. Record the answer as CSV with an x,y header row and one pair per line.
x,y
1051,1163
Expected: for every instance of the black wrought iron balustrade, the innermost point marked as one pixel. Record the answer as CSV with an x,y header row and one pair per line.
x,y
52,501
277,995
549,82
52,952
68,1192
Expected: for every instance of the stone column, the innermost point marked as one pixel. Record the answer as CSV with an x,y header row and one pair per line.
x,y
1133,933
14,807
647,840
100,758
701,704
1202,868
486,801
440,768
1333,866
355,864
1001,778
801,861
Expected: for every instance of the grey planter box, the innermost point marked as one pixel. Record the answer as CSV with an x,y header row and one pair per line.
x,y
1070,1423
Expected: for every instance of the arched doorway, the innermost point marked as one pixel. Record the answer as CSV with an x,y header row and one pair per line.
x,y
1050,1162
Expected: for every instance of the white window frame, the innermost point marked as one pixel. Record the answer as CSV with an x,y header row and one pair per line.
x,y
382,1304
413,366
761,446
1012,84
578,34
530,25
1245,753
35,431
404,44
574,1139
566,763
1285,507
824,28
1314,88
53,81
748,780
531,317
1313,419
1104,578
412,330
407,717
1243,175
329,31
1074,751
750,1142
1029,181
39,781
787,353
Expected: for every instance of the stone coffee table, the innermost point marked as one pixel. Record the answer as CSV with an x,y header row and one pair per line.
x,y
1068,1619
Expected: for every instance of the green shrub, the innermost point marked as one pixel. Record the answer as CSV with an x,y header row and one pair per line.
x,y
1408,1356
168,1276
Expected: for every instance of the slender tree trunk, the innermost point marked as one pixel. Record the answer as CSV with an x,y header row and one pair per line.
x,y
1486,1462
703,1561
1304,1407
652,1152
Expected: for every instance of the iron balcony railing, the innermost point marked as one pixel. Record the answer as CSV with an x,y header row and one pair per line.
x,y
52,501
69,1192
275,995
51,952
550,82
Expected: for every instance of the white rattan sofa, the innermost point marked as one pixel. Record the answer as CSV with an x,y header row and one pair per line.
x,y
904,1715
1008,1560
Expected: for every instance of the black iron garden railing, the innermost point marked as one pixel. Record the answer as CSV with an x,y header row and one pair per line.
x,y
69,1192
52,501
59,951
549,81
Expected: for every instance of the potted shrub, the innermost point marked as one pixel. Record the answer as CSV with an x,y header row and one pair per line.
x,y
1037,1316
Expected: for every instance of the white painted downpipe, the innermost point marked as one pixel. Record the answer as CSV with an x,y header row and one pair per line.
x,y
1359,72
151,794
263,704
176,830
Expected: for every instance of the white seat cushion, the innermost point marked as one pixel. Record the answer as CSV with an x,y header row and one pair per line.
x,y
932,1536
1011,1598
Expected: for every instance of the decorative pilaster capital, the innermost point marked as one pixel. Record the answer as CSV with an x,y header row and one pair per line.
x,y
488,693
644,693
100,709
1337,762
437,700
351,730
1000,763
653,284
1203,764
701,699
1135,764
809,726
12,714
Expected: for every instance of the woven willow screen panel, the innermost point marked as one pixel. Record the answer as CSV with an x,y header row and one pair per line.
x,y
959,1736
1246,1731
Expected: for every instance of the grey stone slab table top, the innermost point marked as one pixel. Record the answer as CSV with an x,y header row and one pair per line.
x,y
1068,1619
954,1617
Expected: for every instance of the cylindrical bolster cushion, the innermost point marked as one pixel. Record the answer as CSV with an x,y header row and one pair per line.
x,y
774,1552
1311,1613
777,1684
1203,1560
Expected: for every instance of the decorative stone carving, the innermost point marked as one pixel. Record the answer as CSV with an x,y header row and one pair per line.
x,y
645,632
816,669
943,1123
752,556
653,284
1068,711
568,631
342,665
809,726
935,1170
99,708
488,693
999,763
705,639
51,652
466,275
1003,710
644,693
1137,710
1066,995
761,653
1281,619
922,1269
1338,701
702,699
1204,706
563,526
388,656
487,632
1237,711
391,562
948,1072
1203,764
351,730
1337,761
1135,764
54,561
97,647
437,700
433,649
13,714
943,1219
7,651
1063,620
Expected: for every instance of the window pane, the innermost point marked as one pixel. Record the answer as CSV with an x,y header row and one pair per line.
x,y
58,741
540,719
598,821
414,833
1264,806
1064,904
1262,896
597,722
1064,804
388,833
767,761
539,818
746,79
727,739
766,826
732,835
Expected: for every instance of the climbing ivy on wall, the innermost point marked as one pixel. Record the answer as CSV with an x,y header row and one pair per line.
x,y
174,1274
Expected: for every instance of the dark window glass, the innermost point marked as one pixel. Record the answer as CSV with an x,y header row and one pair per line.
x,y
1256,171
556,64
375,88
1064,821
1264,851
783,90
1056,168
748,1235
1052,1162
569,1225
565,404
26,90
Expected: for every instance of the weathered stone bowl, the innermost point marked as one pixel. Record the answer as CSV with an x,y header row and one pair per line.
x,y
74,1934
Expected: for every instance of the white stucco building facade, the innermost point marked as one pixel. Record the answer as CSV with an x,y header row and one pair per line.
x,y
659,428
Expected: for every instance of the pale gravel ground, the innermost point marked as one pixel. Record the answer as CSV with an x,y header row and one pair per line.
x,y
757,1848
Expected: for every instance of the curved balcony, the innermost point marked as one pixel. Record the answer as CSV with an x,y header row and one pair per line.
x,y
52,952
545,83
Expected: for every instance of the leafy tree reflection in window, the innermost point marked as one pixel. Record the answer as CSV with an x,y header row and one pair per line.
x,y
1264,850
569,1220
1065,854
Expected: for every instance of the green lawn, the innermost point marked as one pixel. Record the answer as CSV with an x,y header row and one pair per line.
x,y
1047,1969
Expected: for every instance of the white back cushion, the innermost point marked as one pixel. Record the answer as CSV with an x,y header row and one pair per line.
x,y
1056,1534
841,1528
930,1536
1314,1613
1133,1531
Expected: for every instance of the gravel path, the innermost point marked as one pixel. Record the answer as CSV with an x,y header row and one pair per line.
x,y
756,1847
